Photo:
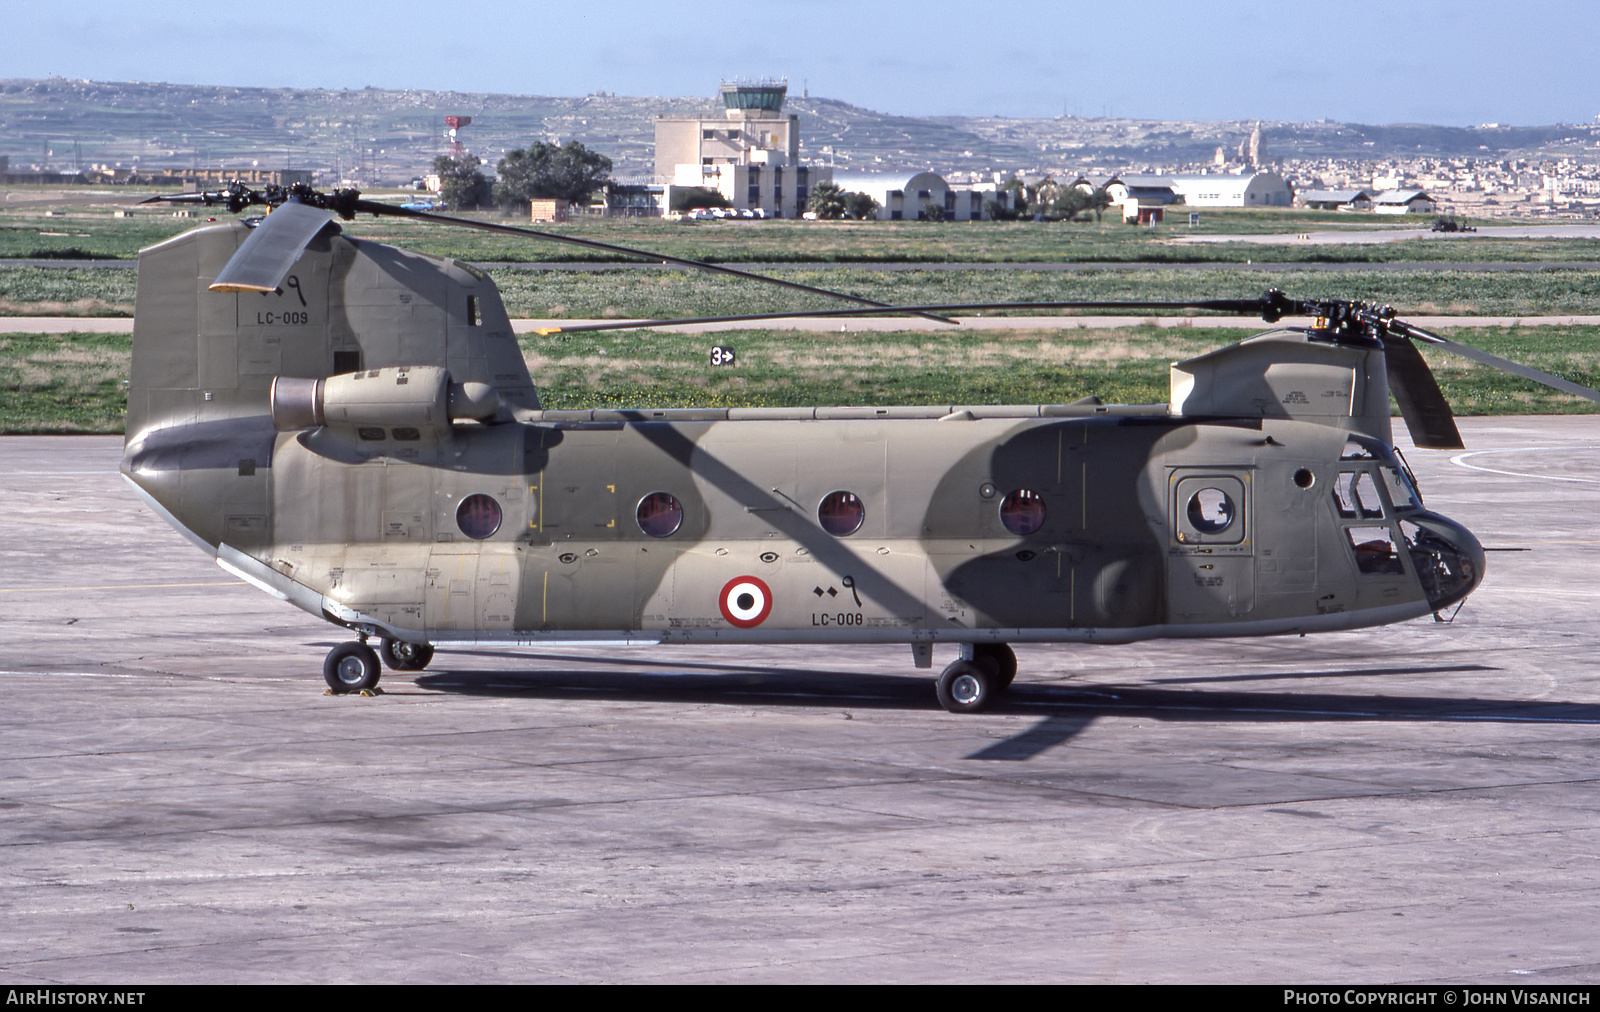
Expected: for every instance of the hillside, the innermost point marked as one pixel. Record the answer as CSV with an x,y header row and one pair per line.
x,y
387,136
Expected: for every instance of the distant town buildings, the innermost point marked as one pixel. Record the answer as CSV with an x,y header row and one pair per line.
x,y
194,178
751,153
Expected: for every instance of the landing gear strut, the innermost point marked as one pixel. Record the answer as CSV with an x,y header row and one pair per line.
x,y
977,680
351,667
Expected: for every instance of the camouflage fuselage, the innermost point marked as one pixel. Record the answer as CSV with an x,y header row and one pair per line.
x,y
1074,522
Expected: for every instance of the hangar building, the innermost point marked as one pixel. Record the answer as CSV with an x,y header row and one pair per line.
x,y
902,198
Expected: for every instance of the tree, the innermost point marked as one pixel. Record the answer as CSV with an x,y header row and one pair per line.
x,y
541,171
827,201
1019,193
698,196
1069,203
461,186
1043,195
996,211
860,206
1099,201
1072,201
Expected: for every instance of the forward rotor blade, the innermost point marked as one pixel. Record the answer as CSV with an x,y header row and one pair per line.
x,y
1503,364
1422,404
1252,307
390,210
266,255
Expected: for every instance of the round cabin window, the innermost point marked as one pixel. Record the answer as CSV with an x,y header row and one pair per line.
x,y
660,514
478,516
1211,511
841,513
1022,511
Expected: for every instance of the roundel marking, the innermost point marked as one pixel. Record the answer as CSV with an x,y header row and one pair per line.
x,y
745,601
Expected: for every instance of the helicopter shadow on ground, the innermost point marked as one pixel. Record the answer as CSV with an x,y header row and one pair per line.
x,y
1065,710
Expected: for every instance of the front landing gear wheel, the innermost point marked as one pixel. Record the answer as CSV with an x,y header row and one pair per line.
x,y
1000,659
966,687
351,667
398,655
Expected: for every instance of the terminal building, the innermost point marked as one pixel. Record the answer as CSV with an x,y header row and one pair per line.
x,y
750,154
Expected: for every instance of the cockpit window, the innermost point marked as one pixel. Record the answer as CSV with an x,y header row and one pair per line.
x,y
1401,492
1360,448
1356,496
1375,550
1410,476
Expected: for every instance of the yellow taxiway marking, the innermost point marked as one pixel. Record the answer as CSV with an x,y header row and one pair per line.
x,y
120,586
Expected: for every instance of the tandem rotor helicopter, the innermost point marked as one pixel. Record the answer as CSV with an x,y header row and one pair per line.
x,y
351,428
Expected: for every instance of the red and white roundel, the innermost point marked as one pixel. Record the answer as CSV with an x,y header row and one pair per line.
x,y
746,602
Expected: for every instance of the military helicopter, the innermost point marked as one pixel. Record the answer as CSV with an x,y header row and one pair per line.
x,y
351,428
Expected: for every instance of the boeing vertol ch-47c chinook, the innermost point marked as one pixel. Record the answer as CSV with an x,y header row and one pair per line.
x,y
351,427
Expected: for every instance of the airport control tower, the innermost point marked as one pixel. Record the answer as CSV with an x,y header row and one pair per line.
x,y
751,154
754,99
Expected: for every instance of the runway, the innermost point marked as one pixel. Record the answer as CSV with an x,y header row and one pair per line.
x,y
179,802
1374,234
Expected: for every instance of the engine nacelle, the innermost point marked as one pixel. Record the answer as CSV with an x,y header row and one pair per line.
x,y
398,397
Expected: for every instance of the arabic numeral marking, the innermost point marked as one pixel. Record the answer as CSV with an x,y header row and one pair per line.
x,y
721,355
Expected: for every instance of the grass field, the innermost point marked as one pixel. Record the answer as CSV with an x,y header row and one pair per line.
x,y
651,293
73,382
63,382
677,294
85,227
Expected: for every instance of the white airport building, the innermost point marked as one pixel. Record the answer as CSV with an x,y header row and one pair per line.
x,y
750,154
913,198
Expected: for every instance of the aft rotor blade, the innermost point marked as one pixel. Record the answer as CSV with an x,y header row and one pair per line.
x,y
1250,307
1503,364
267,254
390,210
1422,404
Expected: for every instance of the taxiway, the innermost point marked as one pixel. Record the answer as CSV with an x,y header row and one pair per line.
x,y
179,802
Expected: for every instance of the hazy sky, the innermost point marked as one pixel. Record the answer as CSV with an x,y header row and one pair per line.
x,y
1462,62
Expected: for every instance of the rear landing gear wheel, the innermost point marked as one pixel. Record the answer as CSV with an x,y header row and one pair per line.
x,y
399,655
966,687
351,667
1000,659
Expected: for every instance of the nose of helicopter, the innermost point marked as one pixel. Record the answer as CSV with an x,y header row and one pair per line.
x,y
1448,558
